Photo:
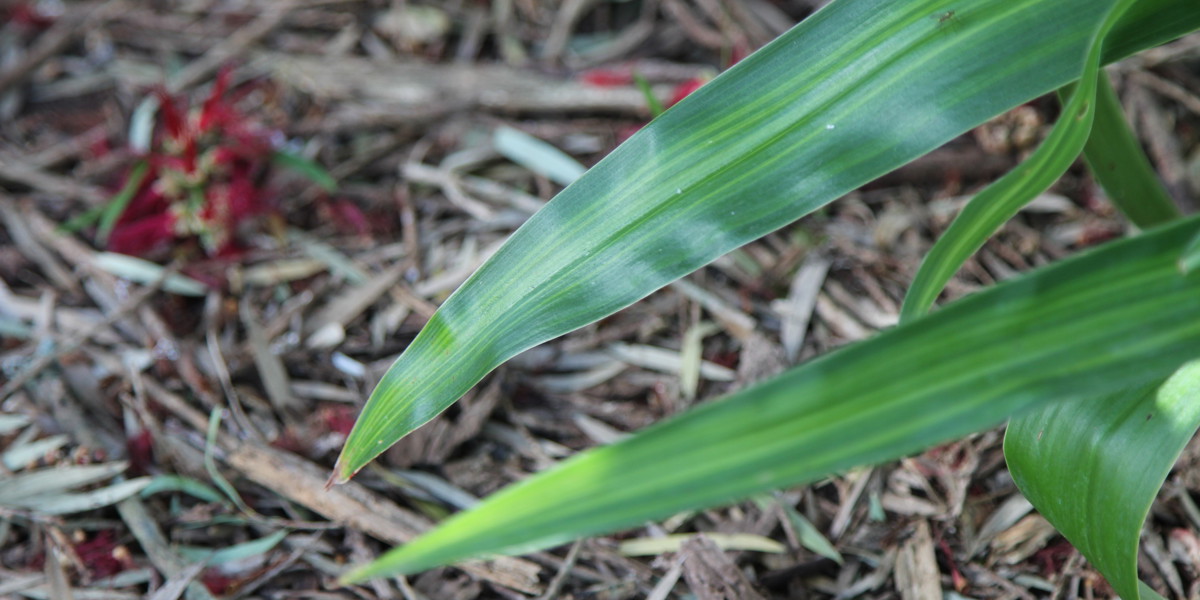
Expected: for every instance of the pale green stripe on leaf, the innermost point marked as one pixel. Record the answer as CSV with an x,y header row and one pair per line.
x,y
1190,258
1117,316
858,89
1001,200
1092,467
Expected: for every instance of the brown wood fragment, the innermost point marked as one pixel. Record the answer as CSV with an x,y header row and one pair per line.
x,y
711,574
435,441
410,85
304,482
917,575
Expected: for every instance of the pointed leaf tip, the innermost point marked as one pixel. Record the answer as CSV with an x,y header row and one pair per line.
x,y
341,473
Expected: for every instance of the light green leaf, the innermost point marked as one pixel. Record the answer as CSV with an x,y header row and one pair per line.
x,y
1092,467
537,155
1000,201
145,272
20,455
724,541
14,328
1117,316
53,480
1190,258
810,537
12,422
880,83
141,124
179,483
338,263
240,551
66,503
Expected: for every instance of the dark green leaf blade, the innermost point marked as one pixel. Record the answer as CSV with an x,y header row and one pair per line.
x,y
880,83
1093,467
1115,157
1118,316
1001,200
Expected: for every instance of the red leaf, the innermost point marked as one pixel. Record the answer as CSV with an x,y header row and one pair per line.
x,y
607,77
141,452
102,556
141,236
682,90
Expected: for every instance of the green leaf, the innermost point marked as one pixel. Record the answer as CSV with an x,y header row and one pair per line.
x,y
242,551
1117,316
652,102
810,537
110,212
1000,201
309,169
116,207
1092,467
881,82
179,483
1115,157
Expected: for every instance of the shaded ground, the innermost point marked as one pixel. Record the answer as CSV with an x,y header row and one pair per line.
x,y
399,102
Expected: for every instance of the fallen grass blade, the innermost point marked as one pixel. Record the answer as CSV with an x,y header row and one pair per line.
x,y
1001,200
54,480
62,504
11,423
809,536
1117,316
724,541
537,155
1123,444
235,552
145,272
881,83
21,454
179,483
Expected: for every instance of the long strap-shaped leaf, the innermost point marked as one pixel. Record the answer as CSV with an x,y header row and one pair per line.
x,y
1117,316
1115,156
1000,201
1093,467
858,89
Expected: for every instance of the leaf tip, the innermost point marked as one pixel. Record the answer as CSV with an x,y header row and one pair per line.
x,y
341,473
353,576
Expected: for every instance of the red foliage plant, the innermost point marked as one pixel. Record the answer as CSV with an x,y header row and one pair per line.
x,y
203,177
